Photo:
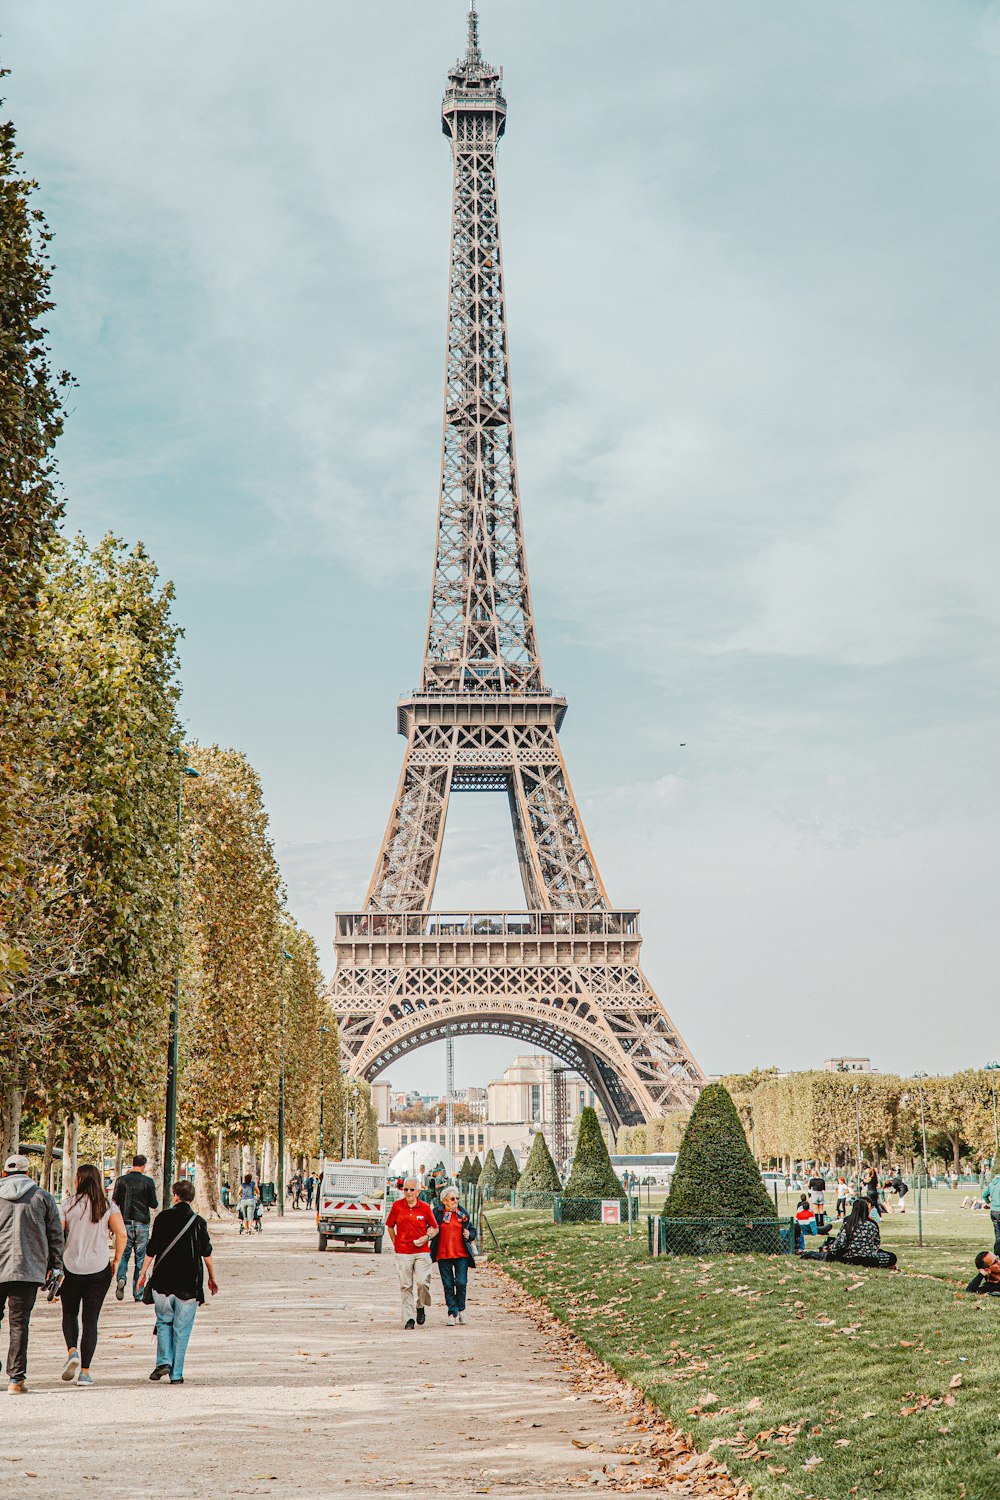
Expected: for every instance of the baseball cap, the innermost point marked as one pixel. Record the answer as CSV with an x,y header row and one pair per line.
x,y
16,1164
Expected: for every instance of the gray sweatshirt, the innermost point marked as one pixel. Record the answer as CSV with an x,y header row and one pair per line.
x,y
31,1234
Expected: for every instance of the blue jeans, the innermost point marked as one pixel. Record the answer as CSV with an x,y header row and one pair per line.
x,y
174,1321
454,1279
136,1240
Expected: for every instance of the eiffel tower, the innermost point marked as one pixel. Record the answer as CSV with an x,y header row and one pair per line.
x,y
563,973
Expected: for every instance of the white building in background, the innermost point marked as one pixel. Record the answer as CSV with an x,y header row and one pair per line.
x,y
848,1065
513,1108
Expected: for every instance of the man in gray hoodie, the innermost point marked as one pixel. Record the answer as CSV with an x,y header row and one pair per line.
x,y
31,1247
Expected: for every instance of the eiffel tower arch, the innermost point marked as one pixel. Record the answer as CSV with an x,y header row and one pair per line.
x,y
562,973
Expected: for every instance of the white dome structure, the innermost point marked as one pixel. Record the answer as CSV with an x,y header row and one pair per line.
x,y
409,1159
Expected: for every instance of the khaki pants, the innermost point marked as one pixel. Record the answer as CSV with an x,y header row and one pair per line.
x,y
414,1272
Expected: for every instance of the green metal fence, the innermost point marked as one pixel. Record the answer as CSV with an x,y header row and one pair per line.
x,y
570,1210
536,1200
729,1236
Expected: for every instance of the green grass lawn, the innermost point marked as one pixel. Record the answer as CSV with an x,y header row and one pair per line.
x,y
807,1379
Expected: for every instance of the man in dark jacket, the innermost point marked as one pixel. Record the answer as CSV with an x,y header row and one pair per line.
x,y
178,1245
135,1194
31,1247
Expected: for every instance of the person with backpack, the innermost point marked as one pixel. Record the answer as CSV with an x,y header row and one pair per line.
x,y
178,1248
31,1246
88,1217
135,1195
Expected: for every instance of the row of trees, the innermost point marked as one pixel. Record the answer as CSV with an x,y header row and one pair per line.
x,y
591,1174
816,1116
119,873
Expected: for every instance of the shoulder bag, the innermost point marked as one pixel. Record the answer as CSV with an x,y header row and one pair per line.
x,y
147,1291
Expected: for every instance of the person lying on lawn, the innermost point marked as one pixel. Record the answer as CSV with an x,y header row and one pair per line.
x,y
987,1277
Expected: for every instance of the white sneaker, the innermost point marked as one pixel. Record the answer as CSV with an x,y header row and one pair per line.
x,y
72,1365
451,1320
461,1317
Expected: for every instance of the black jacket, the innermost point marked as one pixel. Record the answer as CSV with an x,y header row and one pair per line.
x,y
179,1272
135,1194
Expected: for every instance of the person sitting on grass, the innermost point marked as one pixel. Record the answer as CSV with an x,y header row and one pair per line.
x,y
858,1242
805,1218
987,1277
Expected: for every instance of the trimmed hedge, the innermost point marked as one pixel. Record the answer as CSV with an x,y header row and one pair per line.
x,y
592,1175
476,1170
508,1173
488,1178
716,1176
539,1175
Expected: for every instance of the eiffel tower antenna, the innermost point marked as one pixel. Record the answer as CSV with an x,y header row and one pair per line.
x,y
563,973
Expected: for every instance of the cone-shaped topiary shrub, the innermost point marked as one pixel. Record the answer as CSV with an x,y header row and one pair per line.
x,y
716,1177
539,1180
488,1180
476,1170
508,1174
592,1175
465,1171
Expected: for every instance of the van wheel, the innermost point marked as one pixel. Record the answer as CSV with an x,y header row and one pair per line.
x,y
377,1244
322,1241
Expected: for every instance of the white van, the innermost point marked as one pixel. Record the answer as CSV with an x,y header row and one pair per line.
x,y
351,1204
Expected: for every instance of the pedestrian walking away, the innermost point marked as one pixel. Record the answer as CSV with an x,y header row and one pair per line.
x,y
817,1197
412,1226
251,1210
88,1217
135,1195
452,1251
310,1186
31,1246
991,1197
182,1252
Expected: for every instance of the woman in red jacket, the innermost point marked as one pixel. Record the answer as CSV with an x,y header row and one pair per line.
x,y
452,1249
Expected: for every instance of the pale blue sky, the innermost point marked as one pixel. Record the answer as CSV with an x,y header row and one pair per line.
x,y
752,275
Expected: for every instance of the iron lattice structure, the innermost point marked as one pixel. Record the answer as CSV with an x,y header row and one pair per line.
x,y
564,974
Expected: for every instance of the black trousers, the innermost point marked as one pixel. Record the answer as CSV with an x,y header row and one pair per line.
x,y
19,1297
88,1293
996,1232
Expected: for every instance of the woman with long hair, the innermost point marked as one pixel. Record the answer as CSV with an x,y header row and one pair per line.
x,y
88,1217
858,1243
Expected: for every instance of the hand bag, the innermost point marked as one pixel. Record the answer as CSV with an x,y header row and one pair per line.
x,y
147,1291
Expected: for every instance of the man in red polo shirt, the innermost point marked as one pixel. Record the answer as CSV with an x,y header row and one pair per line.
x,y
412,1226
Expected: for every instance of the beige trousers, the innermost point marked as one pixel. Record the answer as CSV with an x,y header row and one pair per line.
x,y
414,1272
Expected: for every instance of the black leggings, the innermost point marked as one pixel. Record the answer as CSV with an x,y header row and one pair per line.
x,y
90,1292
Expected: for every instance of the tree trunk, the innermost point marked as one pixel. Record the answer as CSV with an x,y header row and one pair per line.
x,y
267,1162
149,1143
71,1136
50,1149
248,1161
233,1173
119,1157
956,1151
10,1121
207,1201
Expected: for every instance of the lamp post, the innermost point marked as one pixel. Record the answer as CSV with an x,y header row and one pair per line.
x,y
923,1128
285,956
323,1030
857,1118
992,1069
173,1033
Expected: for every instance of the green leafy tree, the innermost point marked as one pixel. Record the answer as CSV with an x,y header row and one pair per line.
x,y
465,1171
508,1174
31,419
592,1175
539,1180
715,1176
488,1180
96,916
